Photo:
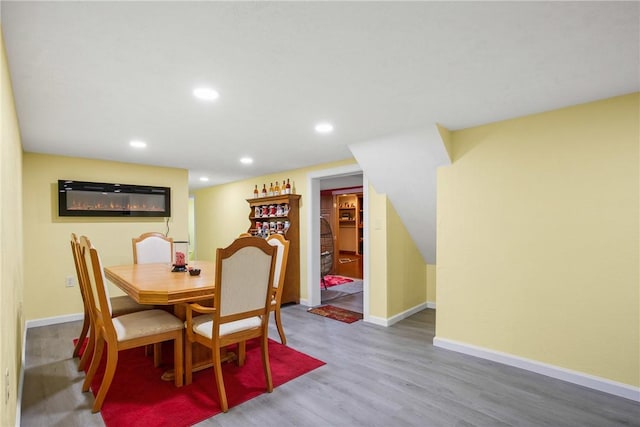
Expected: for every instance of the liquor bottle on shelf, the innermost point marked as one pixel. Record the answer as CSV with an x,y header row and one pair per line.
x,y
276,189
264,190
287,188
270,189
255,192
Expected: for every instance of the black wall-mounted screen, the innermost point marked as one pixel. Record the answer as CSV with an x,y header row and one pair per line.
x,y
80,198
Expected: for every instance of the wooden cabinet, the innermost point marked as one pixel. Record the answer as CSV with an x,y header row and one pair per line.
x,y
280,214
349,220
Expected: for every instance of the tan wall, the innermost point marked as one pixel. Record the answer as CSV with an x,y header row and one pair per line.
x,y
378,268
431,283
11,241
406,278
49,261
538,239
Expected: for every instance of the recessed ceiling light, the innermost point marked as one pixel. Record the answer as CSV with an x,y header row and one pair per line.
x,y
205,93
246,160
204,179
136,143
324,127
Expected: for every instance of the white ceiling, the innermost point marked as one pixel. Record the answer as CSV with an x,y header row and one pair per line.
x,y
90,76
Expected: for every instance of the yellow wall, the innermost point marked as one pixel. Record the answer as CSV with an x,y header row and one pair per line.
x,y
431,283
46,235
378,269
406,278
538,239
11,258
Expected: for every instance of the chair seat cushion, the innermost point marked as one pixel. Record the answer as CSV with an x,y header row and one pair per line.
x,y
202,325
143,323
125,305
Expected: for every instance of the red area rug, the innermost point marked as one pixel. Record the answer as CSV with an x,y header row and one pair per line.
x,y
336,313
138,397
334,280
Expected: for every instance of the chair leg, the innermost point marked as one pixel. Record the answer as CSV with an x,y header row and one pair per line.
x,y
217,371
83,335
88,351
109,372
95,361
157,354
283,339
178,363
242,352
188,362
264,345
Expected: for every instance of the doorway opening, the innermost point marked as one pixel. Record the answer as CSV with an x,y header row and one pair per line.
x,y
350,253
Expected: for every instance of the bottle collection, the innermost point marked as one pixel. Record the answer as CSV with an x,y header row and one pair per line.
x,y
276,190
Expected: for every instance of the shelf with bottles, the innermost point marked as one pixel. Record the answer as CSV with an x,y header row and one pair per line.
x,y
272,190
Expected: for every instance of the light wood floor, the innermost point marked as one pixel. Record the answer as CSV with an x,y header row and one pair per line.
x,y
374,376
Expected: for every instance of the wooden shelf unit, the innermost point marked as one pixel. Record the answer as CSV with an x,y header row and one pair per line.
x,y
291,288
349,221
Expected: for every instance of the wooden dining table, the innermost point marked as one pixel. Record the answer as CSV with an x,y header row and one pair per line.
x,y
157,284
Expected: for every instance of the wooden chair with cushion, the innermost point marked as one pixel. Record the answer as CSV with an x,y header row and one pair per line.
x,y
119,305
151,248
242,299
282,246
123,332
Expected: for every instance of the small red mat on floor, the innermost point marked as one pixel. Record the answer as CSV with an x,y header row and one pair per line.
x,y
336,313
333,280
138,397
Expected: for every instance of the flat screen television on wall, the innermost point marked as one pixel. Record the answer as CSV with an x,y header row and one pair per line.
x,y
81,198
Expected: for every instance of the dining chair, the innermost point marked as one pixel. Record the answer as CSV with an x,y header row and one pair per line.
x,y
152,247
148,248
242,300
122,332
119,305
282,255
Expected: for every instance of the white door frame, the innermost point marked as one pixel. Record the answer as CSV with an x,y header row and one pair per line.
x,y
313,236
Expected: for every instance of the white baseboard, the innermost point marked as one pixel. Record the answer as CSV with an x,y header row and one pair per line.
x,y
46,321
575,377
431,304
398,317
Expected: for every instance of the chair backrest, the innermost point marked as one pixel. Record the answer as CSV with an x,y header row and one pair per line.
x,y
75,251
244,274
282,255
152,247
96,284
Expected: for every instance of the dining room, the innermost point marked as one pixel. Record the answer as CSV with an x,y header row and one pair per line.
x,y
514,196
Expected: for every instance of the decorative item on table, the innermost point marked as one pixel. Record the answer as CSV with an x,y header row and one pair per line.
x,y
194,271
180,260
